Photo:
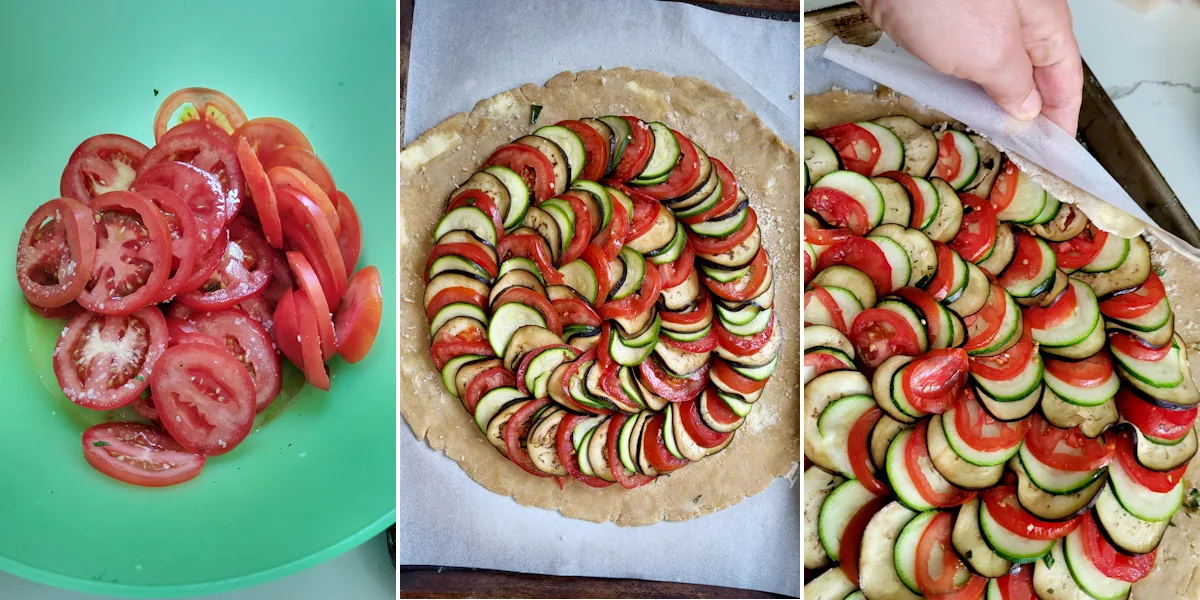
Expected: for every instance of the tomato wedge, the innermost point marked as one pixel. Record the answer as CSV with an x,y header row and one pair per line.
x,y
1067,449
357,320
56,253
934,380
198,104
858,148
879,334
205,399
863,255
1154,421
133,254
838,209
140,455
1109,560
917,461
977,235
517,429
101,164
625,478
566,451
1134,302
1126,455
1002,505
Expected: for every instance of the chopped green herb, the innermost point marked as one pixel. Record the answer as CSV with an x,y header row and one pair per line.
x,y
534,112
1160,270
101,444
1192,504
156,93
1049,560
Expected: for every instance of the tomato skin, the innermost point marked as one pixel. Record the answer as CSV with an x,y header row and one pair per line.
x,y
713,246
625,478
566,451
200,190
67,248
265,134
637,151
851,544
185,381
852,141
977,235
516,430
573,311
872,327
729,195
93,390
671,388
261,193
743,345
125,217
934,380
937,533
676,272
1126,455
1087,454
140,455
1109,560
244,271
1080,250
695,427
531,165
1090,372
246,340
949,161
1134,346
917,451
209,106
350,236
743,289
533,247
838,209
862,255
1007,364
858,441
684,176
1002,504
1006,435
656,449
595,148
1134,302
95,166
1152,420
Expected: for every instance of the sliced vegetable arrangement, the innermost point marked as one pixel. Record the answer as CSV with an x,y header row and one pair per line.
x,y
996,402
601,302
184,270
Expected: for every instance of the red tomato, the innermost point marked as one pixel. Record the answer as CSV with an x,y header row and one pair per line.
x,y
610,239
573,311
204,397
102,163
1154,421
879,334
1005,187
517,429
851,544
266,134
838,209
670,387
656,449
821,295
244,271
102,362
729,195
932,578
195,337
916,455
743,345
1081,249
914,192
528,297
357,320
303,161
684,177
949,161
247,341
700,313
863,255
185,237
56,253
858,441
928,306
595,149
61,313
563,440
1026,262
978,232
858,148
1109,560
1017,584
572,368
583,228
1090,372
645,211
144,407
207,148
531,165
207,263
702,434
287,332
1134,302
133,254
734,380
472,252
305,231
637,151
311,351
939,287
533,247
1002,505
451,295
932,381
350,235
209,106
992,315
139,454
1049,317
1067,449
713,246
261,192
290,177
822,363
201,191
743,288
484,382
1007,364
982,432
312,289
639,302
827,237
708,343
625,478
1127,343
1126,454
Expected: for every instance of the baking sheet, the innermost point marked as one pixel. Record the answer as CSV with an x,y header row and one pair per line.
x,y
467,50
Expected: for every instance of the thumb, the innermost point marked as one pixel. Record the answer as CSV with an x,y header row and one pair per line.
x,y
1010,83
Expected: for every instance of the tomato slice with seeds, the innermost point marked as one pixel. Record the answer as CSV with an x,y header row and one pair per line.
x,y
1005,188
532,166
595,149
625,478
204,397
991,316
207,148
133,254
1126,455
517,430
1134,302
311,287
207,263
977,235
1007,364
1048,317
879,334
200,190
247,341
101,164
863,255
656,448
937,563
1132,345
859,444
56,253
949,161
1154,421
103,362
1067,449
858,148
302,160
261,193
1108,560
1080,250
637,151
980,431
310,342
198,104
917,462
563,441
696,428
838,209
1003,506
244,271
265,134
185,237
573,311
139,454
684,177
934,380
645,211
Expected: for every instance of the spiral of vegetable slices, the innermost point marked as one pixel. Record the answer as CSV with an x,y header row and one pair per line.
x,y
601,303
996,403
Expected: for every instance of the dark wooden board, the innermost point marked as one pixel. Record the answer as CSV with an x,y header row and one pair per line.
x,y
449,582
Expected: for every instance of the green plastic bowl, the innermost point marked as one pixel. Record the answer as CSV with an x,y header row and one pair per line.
x,y
318,475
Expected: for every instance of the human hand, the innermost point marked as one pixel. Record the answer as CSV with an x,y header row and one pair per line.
x,y
1023,52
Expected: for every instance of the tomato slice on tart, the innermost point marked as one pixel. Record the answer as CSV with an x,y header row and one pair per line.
x,y
533,247
265,134
693,424
850,549
879,334
1067,449
857,147
204,397
980,430
991,316
611,239
863,255
708,343
1155,481
484,382
244,271
1008,364
595,149
740,345
937,564
671,387
939,286
1017,584
839,209
200,190
1080,250
185,237
531,165
683,177
56,253
133,254
1134,302
247,341
517,430
103,362
207,148
678,270
1090,372
858,442
1048,317
1003,506
101,164
702,312
645,211
949,161
935,379
715,245
1132,345
1110,561
729,195
531,298
625,478
637,303
977,235
356,322
1154,421
745,287
139,454
1005,187
563,442
656,448
637,152
573,311
917,462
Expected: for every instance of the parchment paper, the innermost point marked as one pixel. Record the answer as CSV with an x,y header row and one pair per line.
x,y
463,51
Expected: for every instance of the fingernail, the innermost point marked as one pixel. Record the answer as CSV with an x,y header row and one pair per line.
x,y
1031,106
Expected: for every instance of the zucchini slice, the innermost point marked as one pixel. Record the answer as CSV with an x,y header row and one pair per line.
x,y
858,187
837,511
471,220
818,485
891,149
492,402
920,146
1085,573
1079,326
849,278
665,156
518,195
507,319
948,220
982,458
820,158
906,548
877,556
832,585
819,394
1112,254
1133,271
571,145
834,426
622,134
1140,501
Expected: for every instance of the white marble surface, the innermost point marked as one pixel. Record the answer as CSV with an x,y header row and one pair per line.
x,y
364,573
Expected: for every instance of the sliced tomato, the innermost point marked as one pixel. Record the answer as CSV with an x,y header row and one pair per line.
x,y
863,255
311,287
144,407
583,228
977,236
850,549
185,237
200,190
1026,262
879,334
453,295
670,387
858,148
1008,364
914,192
859,444
743,288
656,449
205,399
611,239
637,303
357,320
287,332
929,307
1049,317
937,563
350,235
573,311
982,432
1003,506
700,313
827,237
265,134
739,345
306,231
1134,302
483,383
637,152
311,343
702,434
1067,449
247,341
517,430
838,209
101,164
1080,250
530,298
472,252
259,186
708,343
732,379
934,380
949,161
917,461
563,441
290,177
729,195
533,247
303,161
133,254
1017,584
207,263
1090,372
442,352
61,313
244,271
939,286
1126,454
714,245
207,148
1109,560
1132,345
625,478
1005,188
199,104
103,362
139,454
992,316
822,363
645,211
56,253
595,149
677,271
531,165
1154,421
684,177
822,296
